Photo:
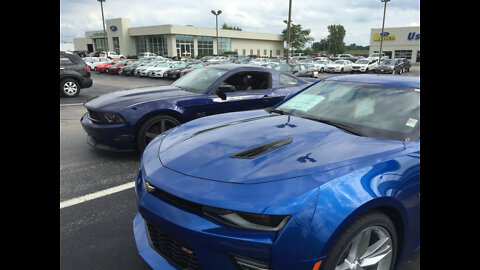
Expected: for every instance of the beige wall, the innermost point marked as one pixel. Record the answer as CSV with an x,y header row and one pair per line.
x,y
396,40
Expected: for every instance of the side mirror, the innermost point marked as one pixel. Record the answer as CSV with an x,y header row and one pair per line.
x,y
223,89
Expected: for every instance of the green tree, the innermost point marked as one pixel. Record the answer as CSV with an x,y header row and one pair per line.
x,y
298,36
225,26
335,39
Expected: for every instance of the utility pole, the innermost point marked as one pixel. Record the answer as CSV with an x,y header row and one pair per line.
x,y
381,35
216,20
104,32
288,27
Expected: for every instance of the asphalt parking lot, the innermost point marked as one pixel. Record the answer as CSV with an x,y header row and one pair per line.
x,y
97,199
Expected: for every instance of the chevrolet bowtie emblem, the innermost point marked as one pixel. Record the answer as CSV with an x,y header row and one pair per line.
x,y
149,187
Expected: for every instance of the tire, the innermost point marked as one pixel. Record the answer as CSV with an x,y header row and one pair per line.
x,y
341,71
69,87
375,230
152,127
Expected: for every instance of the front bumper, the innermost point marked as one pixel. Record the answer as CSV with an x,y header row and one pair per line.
x,y
213,245
115,138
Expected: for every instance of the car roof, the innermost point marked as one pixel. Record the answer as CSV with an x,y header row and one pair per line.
x,y
403,81
236,66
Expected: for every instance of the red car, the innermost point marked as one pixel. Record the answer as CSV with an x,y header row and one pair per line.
x,y
113,69
101,67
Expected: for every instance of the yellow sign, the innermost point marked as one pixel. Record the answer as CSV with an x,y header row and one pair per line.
x,y
384,36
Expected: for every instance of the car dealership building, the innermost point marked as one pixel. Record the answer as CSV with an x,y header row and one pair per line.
x,y
178,40
398,42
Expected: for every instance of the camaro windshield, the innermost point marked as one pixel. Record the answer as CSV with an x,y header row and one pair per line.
x,y
199,80
373,110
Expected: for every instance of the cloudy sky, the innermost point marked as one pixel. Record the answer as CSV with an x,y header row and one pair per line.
x,y
357,16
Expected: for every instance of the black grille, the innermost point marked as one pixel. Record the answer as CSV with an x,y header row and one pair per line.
x,y
172,248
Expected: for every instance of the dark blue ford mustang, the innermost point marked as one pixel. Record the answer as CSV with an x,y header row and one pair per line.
x,y
130,119
328,179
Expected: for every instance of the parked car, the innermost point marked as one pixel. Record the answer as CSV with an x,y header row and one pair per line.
x,y
321,65
141,70
129,70
111,55
327,179
113,69
92,61
101,67
340,66
74,75
158,70
129,120
390,66
344,57
191,68
364,65
376,55
176,71
300,70
406,65
146,55
287,68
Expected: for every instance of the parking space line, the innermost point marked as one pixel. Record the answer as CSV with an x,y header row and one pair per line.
x,y
72,104
96,195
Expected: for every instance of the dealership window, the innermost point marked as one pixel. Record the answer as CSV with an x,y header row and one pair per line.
x,y
155,44
116,45
251,51
205,45
403,54
99,44
278,52
264,52
223,45
244,51
258,52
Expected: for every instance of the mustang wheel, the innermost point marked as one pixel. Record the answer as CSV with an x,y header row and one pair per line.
x,y
369,243
69,88
152,127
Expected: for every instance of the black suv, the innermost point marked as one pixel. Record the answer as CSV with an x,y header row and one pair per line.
x,y
74,75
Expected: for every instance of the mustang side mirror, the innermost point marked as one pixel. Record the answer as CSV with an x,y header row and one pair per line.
x,y
222,89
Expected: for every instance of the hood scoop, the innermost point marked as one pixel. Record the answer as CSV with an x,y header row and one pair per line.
x,y
262,149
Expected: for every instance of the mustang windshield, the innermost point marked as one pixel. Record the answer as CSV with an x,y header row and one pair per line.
x,y
373,110
199,80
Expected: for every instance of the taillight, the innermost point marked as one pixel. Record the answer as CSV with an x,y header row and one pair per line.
x,y
88,68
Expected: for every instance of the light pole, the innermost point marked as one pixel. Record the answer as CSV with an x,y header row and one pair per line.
x,y
381,34
288,27
216,20
104,32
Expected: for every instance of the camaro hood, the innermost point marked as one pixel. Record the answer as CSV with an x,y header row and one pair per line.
x,y
121,99
282,147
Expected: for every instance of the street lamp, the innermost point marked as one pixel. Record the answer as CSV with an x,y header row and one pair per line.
x,y
104,32
216,20
288,27
381,35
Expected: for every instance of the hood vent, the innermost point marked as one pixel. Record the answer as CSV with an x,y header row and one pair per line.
x,y
262,149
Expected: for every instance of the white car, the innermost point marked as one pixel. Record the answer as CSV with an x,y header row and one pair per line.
x,y
340,66
365,65
158,70
140,71
321,65
111,55
93,61
375,56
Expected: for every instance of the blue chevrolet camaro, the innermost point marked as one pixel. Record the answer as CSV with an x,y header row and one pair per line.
x,y
327,179
128,120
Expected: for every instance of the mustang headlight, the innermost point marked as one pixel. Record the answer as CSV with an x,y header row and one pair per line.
x,y
246,220
113,118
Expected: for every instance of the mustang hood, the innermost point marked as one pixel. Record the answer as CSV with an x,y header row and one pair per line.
x,y
265,147
121,99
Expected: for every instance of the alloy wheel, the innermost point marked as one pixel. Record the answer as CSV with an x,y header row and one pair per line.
x,y
370,249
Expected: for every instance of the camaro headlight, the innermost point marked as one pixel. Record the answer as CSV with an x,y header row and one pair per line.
x,y
246,220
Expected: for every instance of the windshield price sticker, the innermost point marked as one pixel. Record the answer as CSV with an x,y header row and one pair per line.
x,y
411,122
303,102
